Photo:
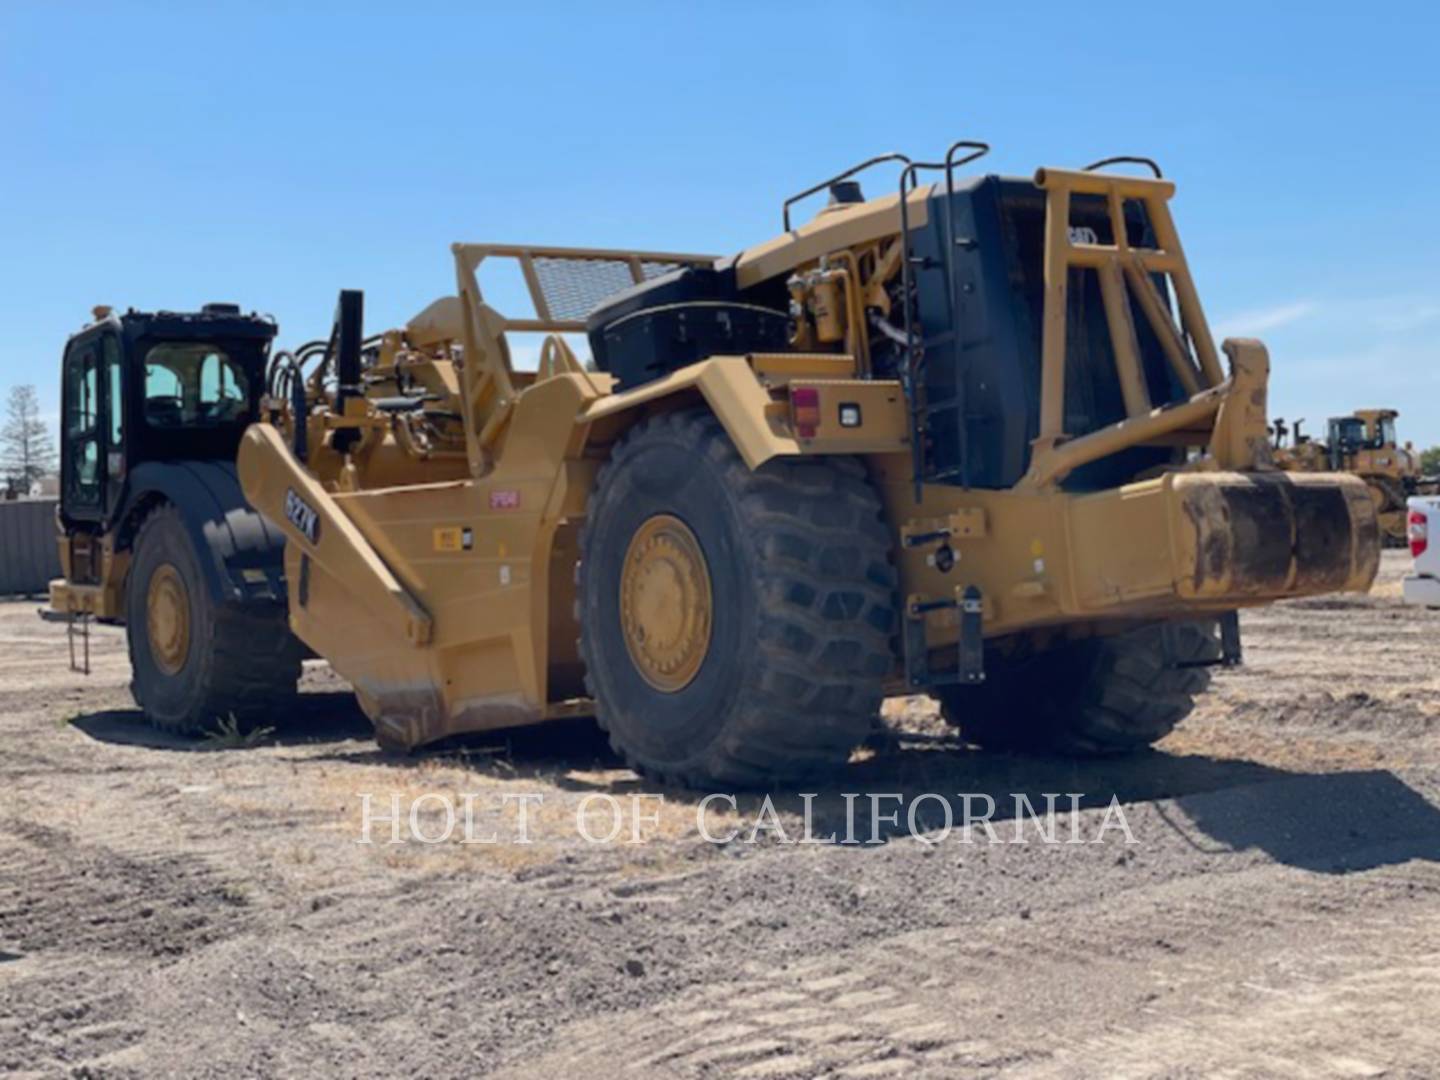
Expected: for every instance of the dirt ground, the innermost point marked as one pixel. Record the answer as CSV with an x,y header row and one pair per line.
x,y
181,907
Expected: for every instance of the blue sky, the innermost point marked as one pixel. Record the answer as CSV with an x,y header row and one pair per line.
x,y
156,156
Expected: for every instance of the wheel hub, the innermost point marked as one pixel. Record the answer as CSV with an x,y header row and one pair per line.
x,y
167,619
666,606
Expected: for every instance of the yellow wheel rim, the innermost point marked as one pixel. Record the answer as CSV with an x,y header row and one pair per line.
x,y
665,603
167,619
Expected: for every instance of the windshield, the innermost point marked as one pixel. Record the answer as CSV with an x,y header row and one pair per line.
x,y
194,384
1387,433
1349,430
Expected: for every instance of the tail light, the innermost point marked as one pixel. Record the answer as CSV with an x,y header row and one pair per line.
x,y
805,410
1417,531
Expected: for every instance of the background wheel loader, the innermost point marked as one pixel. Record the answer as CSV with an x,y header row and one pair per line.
x,y
1363,443
971,439
154,529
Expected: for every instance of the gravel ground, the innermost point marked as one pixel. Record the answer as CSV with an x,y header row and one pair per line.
x,y
173,907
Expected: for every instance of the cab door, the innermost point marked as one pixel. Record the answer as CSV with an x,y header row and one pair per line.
x,y
92,452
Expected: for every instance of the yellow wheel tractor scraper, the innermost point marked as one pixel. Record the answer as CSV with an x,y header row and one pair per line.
x,y
971,439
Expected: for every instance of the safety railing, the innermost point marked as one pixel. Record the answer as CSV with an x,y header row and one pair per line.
x,y
823,185
567,284
1126,272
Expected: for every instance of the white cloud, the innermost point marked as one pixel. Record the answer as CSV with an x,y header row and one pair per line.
x,y
1250,323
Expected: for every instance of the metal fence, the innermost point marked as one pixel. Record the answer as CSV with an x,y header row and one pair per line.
x,y
29,557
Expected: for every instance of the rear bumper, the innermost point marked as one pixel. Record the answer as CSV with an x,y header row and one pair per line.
x,y
1273,534
1421,590
1180,545
1217,541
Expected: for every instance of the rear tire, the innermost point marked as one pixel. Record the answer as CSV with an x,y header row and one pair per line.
x,y
774,669
1093,697
196,662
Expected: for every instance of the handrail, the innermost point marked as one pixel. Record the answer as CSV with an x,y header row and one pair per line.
x,y
912,369
881,159
1126,159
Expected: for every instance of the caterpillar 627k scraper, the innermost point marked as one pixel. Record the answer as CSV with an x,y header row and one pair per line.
x,y
971,439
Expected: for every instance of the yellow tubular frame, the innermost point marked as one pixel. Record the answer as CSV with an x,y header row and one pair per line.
x,y
1124,272
487,387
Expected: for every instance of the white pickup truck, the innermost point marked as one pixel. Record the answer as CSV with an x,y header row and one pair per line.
x,y
1422,585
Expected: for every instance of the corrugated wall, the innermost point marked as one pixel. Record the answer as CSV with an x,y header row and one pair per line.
x,y
28,555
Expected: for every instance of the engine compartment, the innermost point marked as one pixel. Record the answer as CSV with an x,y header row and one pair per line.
x,y
979,342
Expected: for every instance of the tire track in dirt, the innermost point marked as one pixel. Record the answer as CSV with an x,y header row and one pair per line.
x,y
89,913
1142,991
1277,917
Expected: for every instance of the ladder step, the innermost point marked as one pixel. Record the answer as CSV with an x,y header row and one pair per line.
x,y
77,627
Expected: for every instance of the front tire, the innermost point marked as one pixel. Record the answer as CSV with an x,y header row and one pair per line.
x,y
195,661
1093,697
735,624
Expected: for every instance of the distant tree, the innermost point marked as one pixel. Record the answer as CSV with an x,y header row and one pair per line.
x,y
1430,461
26,452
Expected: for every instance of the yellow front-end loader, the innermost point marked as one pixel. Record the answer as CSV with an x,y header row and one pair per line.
x,y
971,439
1363,443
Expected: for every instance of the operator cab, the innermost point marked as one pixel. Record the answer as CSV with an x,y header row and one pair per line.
x,y
154,387
1365,430
1347,434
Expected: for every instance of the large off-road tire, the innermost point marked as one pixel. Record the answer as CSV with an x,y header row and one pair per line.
x,y
735,625
1094,696
196,662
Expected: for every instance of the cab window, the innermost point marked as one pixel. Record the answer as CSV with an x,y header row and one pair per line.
x,y
82,419
194,384
1348,431
114,390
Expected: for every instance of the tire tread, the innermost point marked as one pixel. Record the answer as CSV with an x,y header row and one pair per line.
x,y
824,645
251,661
1097,697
